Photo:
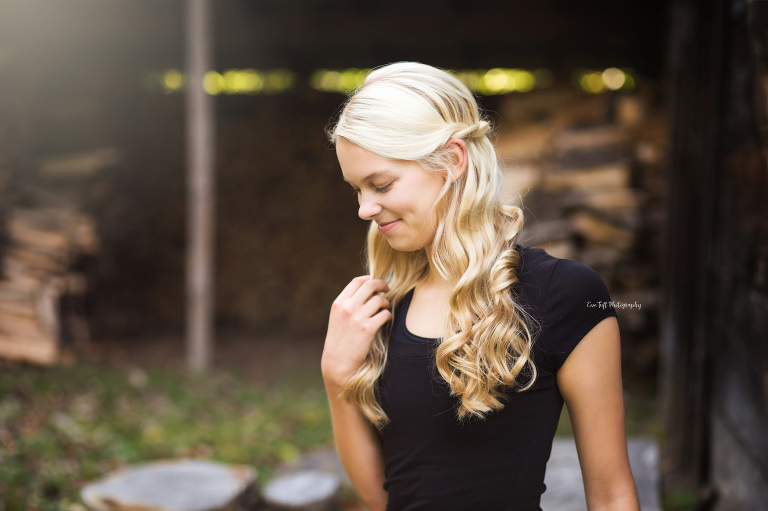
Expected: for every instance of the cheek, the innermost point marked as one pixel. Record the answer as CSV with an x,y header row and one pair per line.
x,y
429,198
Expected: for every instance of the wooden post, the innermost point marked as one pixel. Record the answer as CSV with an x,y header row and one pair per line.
x,y
200,162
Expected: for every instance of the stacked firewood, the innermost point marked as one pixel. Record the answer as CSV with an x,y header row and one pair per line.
x,y
591,175
43,246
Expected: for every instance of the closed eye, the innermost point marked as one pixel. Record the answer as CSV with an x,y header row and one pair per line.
x,y
383,189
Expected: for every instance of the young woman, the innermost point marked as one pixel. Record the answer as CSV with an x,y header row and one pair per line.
x,y
448,365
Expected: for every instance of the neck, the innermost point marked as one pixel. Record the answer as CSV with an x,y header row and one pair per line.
x,y
433,279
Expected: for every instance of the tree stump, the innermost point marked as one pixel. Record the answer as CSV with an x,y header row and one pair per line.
x,y
303,491
184,485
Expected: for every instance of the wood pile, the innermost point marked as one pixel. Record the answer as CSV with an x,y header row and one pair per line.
x,y
39,283
50,160
591,173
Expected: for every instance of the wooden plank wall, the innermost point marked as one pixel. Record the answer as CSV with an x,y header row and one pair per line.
x,y
715,330
739,352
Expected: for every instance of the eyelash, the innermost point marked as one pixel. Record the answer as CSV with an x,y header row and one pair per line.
x,y
382,189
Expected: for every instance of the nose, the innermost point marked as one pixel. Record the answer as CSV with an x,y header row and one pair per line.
x,y
369,207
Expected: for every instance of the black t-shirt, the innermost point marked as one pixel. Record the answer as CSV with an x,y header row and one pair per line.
x,y
435,462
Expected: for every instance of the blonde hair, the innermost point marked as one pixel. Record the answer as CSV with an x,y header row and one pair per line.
x,y
408,111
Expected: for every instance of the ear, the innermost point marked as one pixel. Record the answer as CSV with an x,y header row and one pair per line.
x,y
458,148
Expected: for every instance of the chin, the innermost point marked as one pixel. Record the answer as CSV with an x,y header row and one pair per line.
x,y
404,246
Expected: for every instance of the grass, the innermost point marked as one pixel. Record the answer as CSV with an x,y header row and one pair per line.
x,y
63,427
685,500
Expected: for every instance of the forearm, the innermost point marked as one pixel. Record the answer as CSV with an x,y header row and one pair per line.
x,y
626,501
608,482
359,449
590,382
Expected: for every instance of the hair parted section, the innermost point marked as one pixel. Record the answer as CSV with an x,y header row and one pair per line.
x,y
409,111
475,130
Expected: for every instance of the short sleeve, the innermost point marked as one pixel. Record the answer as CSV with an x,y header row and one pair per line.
x,y
577,300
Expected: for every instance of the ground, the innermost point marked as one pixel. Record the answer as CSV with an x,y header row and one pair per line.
x,y
262,357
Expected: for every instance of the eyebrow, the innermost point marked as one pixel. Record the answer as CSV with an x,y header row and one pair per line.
x,y
370,177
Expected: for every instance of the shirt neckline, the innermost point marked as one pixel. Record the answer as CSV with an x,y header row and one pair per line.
x,y
404,308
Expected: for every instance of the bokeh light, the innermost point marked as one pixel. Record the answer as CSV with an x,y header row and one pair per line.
x,y
232,81
341,81
502,80
600,81
614,78
486,82
172,80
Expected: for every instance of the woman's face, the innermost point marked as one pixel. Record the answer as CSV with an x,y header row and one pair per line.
x,y
399,196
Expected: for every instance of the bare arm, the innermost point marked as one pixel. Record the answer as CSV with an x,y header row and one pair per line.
x,y
359,449
356,315
590,382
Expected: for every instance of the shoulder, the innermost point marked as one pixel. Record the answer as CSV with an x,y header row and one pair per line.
x,y
534,273
548,280
575,287
568,298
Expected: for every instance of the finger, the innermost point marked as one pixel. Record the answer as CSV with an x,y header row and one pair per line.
x,y
372,306
353,286
369,288
381,318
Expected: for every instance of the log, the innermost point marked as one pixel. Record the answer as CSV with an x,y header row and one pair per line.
x,y
48,311
50,217
559,107
18,290
84,163
590,139
531,143
630,110
85,237
51,263
552,230
580,111
302,491
611,176
43,243
32,327
598,230
26,234
562,249
53,224
21,308
649,153
182,485
619,199
37,350
16,271
601,256
540,205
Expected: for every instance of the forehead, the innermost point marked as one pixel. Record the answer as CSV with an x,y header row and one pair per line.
x,y
347,152
358,164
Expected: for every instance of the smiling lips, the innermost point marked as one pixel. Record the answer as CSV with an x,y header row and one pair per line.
x,y
386,227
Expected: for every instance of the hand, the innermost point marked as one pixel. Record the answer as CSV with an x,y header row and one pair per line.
x,y
356,315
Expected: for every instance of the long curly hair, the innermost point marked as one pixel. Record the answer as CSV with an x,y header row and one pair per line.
x,y
408,111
